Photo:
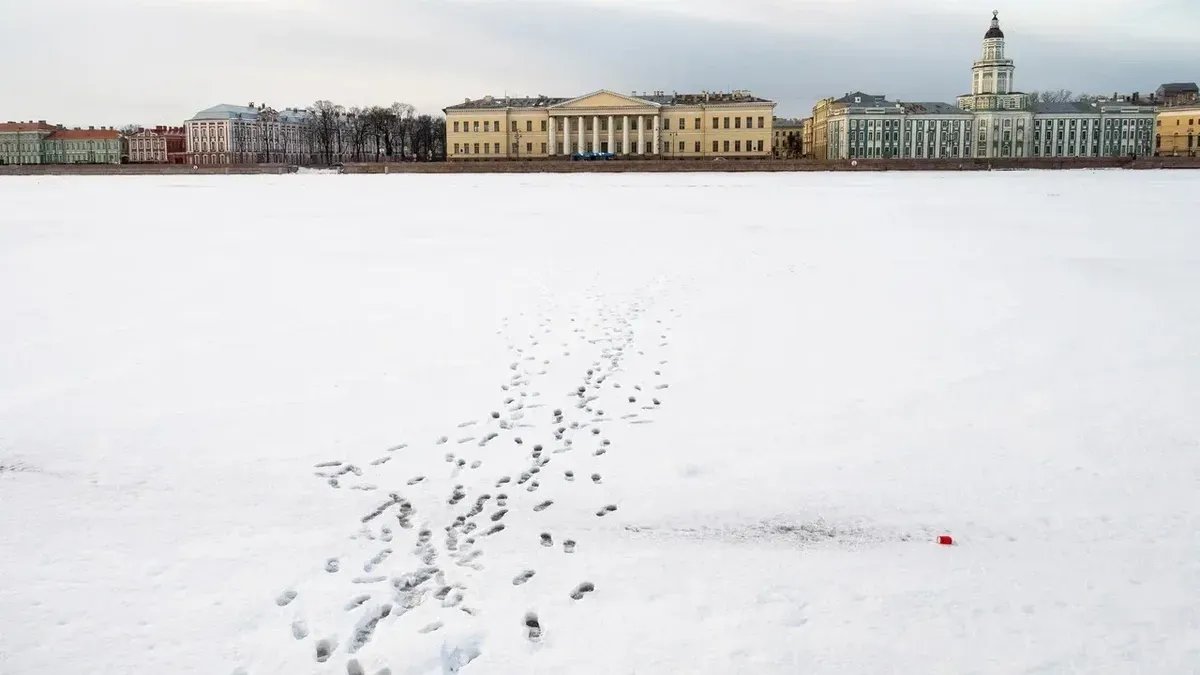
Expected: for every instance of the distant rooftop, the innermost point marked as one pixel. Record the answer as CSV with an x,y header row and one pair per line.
x,y
501,102
101,134
1174,88
226,111
858,99
659,97
933,108
15,127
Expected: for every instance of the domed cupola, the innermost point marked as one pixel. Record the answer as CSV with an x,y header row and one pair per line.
x,y
994,31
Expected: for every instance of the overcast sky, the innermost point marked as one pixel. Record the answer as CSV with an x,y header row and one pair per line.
x,y
112,62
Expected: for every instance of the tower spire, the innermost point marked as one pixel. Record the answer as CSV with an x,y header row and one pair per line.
x,y
994,31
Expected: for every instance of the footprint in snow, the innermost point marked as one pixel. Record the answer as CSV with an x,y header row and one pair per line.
x,y
582,589
285,598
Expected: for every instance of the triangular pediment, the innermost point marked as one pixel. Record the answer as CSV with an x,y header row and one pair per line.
x,y
605,99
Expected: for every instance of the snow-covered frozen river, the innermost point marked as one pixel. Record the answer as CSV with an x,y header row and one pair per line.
x,y
707,423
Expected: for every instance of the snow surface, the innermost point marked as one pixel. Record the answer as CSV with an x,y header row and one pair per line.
x,y
846,366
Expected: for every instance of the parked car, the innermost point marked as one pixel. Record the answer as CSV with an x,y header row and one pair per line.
x,y
590,156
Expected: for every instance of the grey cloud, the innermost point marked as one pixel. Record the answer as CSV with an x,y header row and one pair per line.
x,y
168,58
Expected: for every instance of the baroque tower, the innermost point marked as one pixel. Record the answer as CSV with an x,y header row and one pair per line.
x,y
992,76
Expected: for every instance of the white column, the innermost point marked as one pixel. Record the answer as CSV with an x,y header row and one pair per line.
x,y
610,135
657,145
595,133
580,120
641,134
550,146
625,135
566,135
937,142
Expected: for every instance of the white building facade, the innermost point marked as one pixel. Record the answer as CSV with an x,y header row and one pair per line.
x,y
993,121
230,134
872,127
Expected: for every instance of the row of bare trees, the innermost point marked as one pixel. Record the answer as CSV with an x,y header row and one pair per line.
x,y
1060,96
396,133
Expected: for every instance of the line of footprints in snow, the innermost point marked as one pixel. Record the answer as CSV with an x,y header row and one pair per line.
x,y
465,536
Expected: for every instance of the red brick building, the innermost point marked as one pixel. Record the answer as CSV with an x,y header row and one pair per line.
x,y
161,145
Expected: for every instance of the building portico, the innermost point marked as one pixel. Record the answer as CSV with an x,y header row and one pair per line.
x,y
603,121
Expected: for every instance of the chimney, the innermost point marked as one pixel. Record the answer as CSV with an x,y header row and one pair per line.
x,y
91,128
41,121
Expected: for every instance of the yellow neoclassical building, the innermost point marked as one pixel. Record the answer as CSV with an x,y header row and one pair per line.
x,y
1177,132
709,124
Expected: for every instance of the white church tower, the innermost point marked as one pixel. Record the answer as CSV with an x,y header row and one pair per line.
x,y
992,76
1002,115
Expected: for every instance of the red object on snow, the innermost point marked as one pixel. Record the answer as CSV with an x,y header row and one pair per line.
x,y
945,540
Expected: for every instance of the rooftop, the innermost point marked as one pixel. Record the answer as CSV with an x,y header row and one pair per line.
x,y
858,99
501,102
84,135
225,111
659,97
15,127
933,108
1180,88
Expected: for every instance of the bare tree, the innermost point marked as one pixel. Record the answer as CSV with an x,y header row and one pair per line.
x,y
324,121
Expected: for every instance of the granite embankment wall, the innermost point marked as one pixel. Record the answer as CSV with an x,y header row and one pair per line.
x,y
616,166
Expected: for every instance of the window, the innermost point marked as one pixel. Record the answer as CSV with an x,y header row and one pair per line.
x,y
476,126
697,143
543,125
737,123
456,126
543,146
487,149
760,146
529,148
716,123
762,122
514,125
749,122
666,123
697,126
737,146
515,148
456,148
528,125
497,148
716,147
726,122
682,146
726,143
477,145
487,125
